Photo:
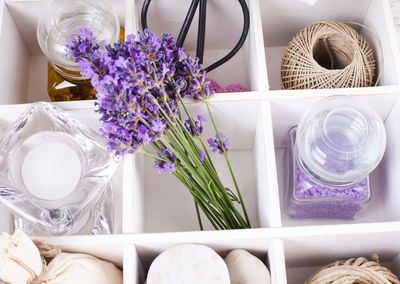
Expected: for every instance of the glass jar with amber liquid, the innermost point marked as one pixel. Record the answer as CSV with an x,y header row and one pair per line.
x,y
61,19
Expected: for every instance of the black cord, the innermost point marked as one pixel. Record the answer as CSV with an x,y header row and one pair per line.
x,y
200,39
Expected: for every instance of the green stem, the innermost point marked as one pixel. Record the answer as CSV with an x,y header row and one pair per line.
x,y
200,178
198,215
227,160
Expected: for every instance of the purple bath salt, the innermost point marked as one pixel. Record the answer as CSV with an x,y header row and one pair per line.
x,y
309,198
232,88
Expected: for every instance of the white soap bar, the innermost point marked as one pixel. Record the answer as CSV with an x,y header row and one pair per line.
x,y
183,264
245,268
51,170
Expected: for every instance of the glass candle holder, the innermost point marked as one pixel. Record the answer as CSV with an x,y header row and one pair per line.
x,y
97,221
53,170
334,148
59,20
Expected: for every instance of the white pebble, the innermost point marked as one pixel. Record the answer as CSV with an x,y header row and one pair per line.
x,y
245,268
183,264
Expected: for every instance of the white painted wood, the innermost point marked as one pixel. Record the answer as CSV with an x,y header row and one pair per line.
x,y
395,9
276,258
390,165
133,273
130,16
256,124
255,56
5,220
134,196
395,265
379,20
37,88
14,58
305,248
268,191
273,56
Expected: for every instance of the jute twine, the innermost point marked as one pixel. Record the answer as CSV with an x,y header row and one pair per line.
x,y
360,271
327,55
47,251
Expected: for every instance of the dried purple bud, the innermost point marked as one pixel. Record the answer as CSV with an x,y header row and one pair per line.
x,y
202,156
216,145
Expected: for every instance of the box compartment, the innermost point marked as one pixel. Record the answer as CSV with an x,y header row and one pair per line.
x,y
282,20
224,24
286,113
257,123
23,72
83,111
167,206
306,254
270,251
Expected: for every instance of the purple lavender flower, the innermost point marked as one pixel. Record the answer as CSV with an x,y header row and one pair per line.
x,y
195,128
166,163
137,83
163,166
202,156
168,154
216,145
158,126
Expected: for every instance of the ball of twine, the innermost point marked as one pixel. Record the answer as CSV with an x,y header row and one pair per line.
x,y
360,271
327,54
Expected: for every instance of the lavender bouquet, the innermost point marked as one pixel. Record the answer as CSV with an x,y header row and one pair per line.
x,y
140,86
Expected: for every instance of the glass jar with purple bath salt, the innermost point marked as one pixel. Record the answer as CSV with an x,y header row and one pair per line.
x,y
332,151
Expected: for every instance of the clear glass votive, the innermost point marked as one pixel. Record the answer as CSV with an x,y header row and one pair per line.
x,y
54,171
97,221
61,19
337,144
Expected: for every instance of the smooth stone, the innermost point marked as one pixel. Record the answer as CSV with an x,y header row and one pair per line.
x,y
189,263
245,268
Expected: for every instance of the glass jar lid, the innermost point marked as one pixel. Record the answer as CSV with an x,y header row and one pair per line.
x,y
340,140
62,18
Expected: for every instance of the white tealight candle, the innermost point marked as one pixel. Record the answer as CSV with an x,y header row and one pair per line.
x,y
51,170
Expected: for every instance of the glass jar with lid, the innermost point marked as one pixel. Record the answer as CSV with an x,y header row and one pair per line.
x,y
59,20
338,142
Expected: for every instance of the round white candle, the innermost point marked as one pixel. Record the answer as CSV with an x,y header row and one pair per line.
x,y
51,170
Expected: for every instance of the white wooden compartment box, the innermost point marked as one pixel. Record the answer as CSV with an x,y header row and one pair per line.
x,y
154,212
